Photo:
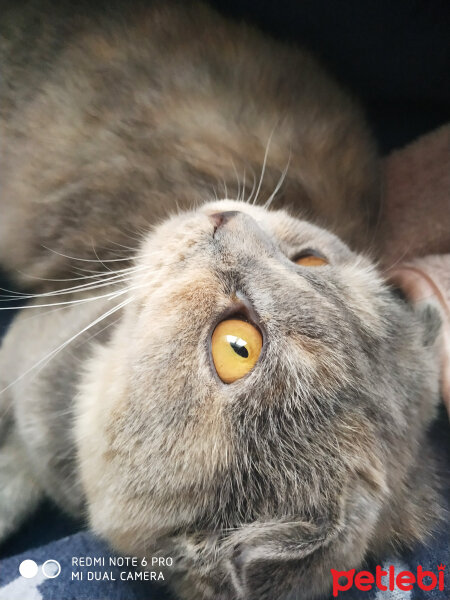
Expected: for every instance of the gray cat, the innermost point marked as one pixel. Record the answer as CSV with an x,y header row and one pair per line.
x,y
236,388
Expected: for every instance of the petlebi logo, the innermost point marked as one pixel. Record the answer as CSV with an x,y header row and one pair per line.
x,y
388,579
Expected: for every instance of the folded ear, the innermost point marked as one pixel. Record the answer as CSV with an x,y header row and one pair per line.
x,y
263,555
289,558
426,284
281,558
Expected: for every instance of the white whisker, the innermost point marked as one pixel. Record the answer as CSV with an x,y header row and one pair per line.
x,y
68,302
225,187
54,352
123,245
237,179
266,154
243,189
253,186
89,260
94,274
40,314
113,279
279,184
97,333
97,256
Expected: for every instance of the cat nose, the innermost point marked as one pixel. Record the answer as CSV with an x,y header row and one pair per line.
x,y
221,218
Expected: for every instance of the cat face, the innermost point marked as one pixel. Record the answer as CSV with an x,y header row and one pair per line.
x,y
168,443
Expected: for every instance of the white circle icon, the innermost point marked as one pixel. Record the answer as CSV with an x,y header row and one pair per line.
x,y
51,569
28,569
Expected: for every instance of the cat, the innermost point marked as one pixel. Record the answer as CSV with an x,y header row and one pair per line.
x,y
231,385
113,117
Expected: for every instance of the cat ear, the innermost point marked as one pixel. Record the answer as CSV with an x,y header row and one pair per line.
x,y
262,556
259,560
426,284
280,558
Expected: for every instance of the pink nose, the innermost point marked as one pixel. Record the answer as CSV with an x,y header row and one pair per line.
x,y
220,218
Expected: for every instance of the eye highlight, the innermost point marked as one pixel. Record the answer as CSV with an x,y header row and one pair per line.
x,y
235,348
310,258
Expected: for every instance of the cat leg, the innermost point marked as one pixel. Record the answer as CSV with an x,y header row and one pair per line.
x,y
19,490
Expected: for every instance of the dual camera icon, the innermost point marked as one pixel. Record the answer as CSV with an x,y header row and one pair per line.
x,y
29,569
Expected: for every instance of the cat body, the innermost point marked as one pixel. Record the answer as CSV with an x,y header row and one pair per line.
x,y
112,403
112,120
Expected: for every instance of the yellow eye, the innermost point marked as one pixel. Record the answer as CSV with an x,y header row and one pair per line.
x,y
235,347
311,259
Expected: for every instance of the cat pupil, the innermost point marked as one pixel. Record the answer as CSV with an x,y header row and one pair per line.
x,y
241,350
239,347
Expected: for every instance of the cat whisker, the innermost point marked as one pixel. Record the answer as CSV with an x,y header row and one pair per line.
x,y
67,302
374,230
40,314
97,256
92,286
113,278
225,187
253,186
130,232
94,335
263,169
399,259
89,260
123,246
242,199
43,361
279,184
237,179
94,274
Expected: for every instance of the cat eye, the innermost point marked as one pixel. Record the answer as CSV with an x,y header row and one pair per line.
x,y
310,258
235,348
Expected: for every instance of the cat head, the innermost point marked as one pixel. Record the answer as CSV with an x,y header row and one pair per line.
x,y
262,375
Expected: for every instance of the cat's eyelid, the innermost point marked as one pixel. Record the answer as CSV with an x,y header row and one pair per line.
x,y
309,252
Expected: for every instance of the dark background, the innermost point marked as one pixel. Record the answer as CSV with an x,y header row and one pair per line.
x,y
393,55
